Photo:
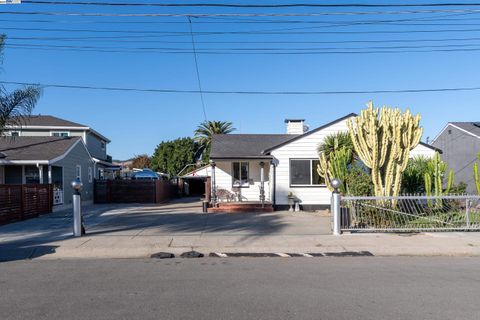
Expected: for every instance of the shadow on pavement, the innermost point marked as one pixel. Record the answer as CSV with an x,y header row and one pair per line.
x,y
13,253
30,239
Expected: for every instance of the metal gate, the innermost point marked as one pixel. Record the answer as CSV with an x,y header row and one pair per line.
x,y
410,213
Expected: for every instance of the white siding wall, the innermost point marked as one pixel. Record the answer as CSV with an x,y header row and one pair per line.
x,y
223,176
422,150
306,148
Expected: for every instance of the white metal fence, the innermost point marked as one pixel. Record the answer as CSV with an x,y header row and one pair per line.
x,y
410,213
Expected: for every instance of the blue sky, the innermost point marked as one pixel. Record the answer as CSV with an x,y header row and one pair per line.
x,y
137,122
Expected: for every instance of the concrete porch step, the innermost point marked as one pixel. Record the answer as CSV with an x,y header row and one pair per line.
x,y
231,207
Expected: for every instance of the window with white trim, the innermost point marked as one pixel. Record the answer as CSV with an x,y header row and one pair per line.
x,y
303,173
240,174
103,145
78,172
90,174
60,133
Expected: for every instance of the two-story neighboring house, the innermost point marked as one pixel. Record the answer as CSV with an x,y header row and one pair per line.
x,y
460,143
47,149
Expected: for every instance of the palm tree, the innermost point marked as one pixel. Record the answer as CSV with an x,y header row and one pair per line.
x,y
16,105
205,131
335,142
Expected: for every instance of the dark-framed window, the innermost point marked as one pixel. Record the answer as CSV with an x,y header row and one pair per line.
x,y
303,173
240,174
61,134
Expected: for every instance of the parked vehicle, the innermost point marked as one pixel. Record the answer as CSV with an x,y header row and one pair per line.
x,y
145,174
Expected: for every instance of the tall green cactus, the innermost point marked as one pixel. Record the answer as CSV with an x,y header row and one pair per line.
x,y
435,174
476,176
382,139
335,166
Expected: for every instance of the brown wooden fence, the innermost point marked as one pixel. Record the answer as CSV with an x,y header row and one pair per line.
x,y
133,191
19,202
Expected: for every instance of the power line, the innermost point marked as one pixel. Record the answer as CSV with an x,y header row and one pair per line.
x,y
63,86
121,39
196,69
239,5
199,50
200,14
255,53
252,32
244,21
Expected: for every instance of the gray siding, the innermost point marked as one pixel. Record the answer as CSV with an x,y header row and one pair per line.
x,y
77,156
94,145
460,152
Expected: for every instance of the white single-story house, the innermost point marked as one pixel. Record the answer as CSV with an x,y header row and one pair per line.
x,y
282,163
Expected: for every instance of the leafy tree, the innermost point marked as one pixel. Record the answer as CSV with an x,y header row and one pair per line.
x,y
141,161
205,131
14,106
172,156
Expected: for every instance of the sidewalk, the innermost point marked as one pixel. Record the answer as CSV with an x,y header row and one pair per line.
x,y
138,231
134,246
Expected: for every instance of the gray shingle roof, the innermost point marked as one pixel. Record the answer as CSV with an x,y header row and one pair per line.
x,y
472,127
46,120
239,146
34,148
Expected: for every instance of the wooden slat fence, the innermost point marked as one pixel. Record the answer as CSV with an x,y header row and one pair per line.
x,y
19,202
133,191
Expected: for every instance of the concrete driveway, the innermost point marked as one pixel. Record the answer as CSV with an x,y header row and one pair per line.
x,y
179,224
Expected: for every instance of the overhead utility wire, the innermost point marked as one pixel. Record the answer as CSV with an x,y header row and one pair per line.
x,y
251,32
196,69
199,50
50,85
200,14
121,39
254,53
241,5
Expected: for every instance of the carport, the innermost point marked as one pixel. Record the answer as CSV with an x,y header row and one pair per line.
x,y
197,182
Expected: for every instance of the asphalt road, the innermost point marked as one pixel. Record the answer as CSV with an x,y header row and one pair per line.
x,y
242,288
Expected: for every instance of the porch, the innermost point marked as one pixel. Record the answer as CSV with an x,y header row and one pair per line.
x,y
35,174
240,185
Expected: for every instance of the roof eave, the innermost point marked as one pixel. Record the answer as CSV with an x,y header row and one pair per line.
x,y
353,114
242,158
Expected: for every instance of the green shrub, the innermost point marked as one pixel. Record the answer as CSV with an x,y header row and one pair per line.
x,y
414,175
359,182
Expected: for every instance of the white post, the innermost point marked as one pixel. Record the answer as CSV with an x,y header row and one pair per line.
x,y
77,208
335,207
214,188
40,174
262,183
77,216
49,174
336,213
